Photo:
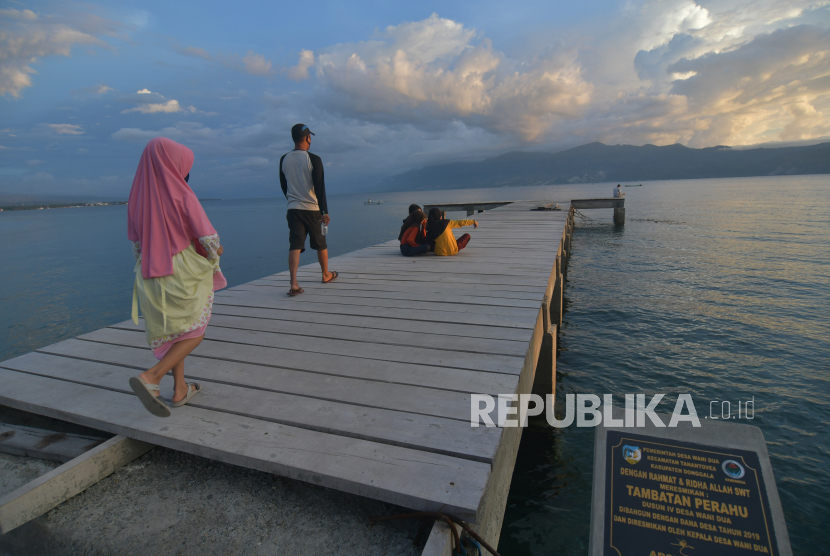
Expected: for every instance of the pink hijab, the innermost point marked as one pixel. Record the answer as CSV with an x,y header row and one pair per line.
x,y
164,215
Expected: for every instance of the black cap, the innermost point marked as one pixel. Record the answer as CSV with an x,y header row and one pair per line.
x,y
299,131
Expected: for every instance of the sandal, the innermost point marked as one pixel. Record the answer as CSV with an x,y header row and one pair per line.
x,y
192,389
333,276
298,291
144,390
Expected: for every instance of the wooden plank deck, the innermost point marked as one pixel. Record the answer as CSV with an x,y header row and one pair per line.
x,y
361,385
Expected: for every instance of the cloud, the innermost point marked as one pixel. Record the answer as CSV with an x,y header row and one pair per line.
x,y
66,129
437,68
95,90
771,87
35,162
252,63
300,71
26,37
149,102
194,52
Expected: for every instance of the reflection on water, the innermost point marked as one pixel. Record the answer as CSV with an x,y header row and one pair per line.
x,y
728,304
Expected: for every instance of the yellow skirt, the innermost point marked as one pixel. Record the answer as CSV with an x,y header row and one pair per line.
x,y
177,305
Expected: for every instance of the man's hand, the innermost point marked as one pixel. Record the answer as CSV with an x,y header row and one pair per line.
x,y
475,223
220,250
326,219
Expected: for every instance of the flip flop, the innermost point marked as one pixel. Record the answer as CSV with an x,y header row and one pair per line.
x,y
298,291
334,275
192,389
144,391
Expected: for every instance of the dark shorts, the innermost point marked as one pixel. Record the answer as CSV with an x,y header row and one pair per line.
x,y
302,223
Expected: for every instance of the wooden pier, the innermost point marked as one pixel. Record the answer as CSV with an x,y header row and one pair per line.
x,y
361,385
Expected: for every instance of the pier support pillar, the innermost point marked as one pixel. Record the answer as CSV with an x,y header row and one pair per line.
x,y
556,303
544,381
619,215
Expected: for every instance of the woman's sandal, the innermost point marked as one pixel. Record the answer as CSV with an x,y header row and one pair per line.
x,y
192,389
144,390
298,291
333,276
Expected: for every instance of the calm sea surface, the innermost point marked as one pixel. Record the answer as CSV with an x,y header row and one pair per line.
x,y
718,288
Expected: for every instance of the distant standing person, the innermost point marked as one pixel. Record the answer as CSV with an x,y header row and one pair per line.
x,y
177,268
618,192
301,179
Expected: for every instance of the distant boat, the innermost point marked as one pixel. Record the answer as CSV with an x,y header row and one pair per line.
x,y
371,202
635,185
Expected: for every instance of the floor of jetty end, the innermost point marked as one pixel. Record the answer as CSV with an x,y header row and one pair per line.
x,y
362,385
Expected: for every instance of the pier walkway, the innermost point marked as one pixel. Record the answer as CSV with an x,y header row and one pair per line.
x,y
361,385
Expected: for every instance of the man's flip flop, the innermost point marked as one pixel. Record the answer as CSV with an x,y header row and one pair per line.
x,y
192,389
298,291
144,391
333,276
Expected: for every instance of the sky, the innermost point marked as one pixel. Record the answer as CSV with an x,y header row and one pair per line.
x,y
390,87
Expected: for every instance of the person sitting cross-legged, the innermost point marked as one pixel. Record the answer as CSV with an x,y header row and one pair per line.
x,y
439,233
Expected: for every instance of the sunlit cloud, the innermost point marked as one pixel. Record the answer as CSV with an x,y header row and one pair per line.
x,y
26,37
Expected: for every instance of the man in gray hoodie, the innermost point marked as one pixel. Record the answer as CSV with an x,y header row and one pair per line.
x,y
301,179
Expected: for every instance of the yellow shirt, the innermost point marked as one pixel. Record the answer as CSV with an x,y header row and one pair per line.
x,y
446,245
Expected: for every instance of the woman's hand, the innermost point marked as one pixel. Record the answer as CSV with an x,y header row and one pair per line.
x,y
220,250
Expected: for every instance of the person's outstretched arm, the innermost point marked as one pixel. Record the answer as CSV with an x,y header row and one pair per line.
x,y
461,223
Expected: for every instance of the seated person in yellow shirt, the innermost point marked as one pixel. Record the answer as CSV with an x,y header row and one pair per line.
x,y
439,233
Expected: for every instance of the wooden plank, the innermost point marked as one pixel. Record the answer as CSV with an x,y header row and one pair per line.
x,y
242,338
468,310
344,283
61,484
418,296
357,334
43,444
410,478
439,435
325,305
414,327
214,358
583,204
394,277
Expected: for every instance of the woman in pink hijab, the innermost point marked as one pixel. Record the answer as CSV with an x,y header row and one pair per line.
x,y
177,268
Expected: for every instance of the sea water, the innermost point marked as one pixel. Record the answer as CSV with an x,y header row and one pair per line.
x,y
717,288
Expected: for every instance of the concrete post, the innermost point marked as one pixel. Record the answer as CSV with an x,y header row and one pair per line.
x,y
619,215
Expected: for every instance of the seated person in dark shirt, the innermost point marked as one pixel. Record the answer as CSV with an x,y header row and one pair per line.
x,y
413,237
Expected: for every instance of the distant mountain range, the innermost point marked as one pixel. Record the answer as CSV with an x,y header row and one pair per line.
x,y
596,162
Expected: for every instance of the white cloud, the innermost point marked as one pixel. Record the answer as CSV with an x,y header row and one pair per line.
x,y
171,106
26,37
300,71
66,129
149,102
436,68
